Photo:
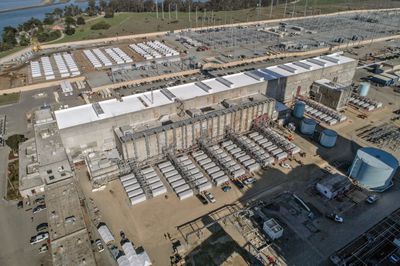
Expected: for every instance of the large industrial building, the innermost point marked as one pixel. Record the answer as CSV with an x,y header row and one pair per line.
x,y
143,125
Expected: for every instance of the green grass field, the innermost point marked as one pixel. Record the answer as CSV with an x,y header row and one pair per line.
x,y
9,98
136,23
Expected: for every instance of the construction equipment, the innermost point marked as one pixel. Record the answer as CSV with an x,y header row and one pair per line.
x,y
36,47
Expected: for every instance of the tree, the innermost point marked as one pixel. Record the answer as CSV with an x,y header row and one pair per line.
x,y
91,10
58,12
70,21
80,21
24,40
14,141
109,12
102,25
69,30
49,19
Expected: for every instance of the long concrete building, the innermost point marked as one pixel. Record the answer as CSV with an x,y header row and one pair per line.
x,y
143,125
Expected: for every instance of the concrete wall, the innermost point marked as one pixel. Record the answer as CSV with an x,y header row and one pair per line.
x,y
285,89
184,134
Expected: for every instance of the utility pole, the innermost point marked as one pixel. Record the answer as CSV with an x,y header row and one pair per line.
x,y
294,8
162,9
196,17
157,8
284,10
305,8
270,11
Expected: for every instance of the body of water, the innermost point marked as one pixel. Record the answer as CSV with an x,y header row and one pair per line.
x,y
14,18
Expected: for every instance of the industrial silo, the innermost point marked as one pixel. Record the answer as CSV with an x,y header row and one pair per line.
x,y
373,169
363,89
308,126
328,138
299,108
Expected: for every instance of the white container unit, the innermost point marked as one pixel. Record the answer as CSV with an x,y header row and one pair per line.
x,y
92,58
204,162
197,176
213,170
253,167
244,158
147,170
209,165
181,188
132,187
73,68
135,192
178,183
164,164
201,157
129,182
174,178
185,194
281,156
159,191
167,169
197,153
205,186
153,180
217,174
150,175
248,162
171,173
156,185
238,173
220,180
137,199
126,177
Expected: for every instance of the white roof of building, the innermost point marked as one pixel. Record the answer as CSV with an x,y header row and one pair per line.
x,y
111,108
135,259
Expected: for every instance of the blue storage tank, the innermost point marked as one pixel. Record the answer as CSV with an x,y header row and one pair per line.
x,y
299,108
363,89
328,138
373,169
308,126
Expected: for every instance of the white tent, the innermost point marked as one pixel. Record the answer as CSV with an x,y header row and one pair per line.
x,y
141,259
105,234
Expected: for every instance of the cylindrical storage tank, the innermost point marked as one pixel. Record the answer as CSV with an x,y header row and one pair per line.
x,y
373,169
299,108
363,89
308,126
328,138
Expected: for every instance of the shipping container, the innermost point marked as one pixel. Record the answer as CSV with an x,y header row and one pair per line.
x,y
213,170
167,169
126,177
217,174
220,180
181,188
135,192
153,180
132,187
204,161
137,199
171,173
178,183
185,194
159,191
164,164
174,178
147,170
129,182
253,167
205,186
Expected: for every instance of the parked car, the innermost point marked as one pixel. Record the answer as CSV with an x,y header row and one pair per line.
x,y
39,208
238,184
202,199
394,259
39,200
43,248
20,204
226,188
99,245
372,198
210,197
39,238
249,181
42,226
334,217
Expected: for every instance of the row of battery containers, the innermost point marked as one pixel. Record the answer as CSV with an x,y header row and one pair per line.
x,y
272,140
162,48
193,173
145,51
230,165
258,152
95,55
47,68
175,180
68,67
217,175
365,103
323,113
249,163
119,56
135,191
